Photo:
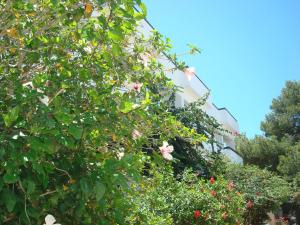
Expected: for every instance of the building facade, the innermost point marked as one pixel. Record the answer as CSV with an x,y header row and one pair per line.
x,y
193,89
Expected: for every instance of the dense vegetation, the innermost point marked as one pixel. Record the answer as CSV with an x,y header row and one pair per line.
x,y
87,131
279,149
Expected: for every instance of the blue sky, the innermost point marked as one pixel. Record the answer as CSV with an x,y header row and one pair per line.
x,y
249,49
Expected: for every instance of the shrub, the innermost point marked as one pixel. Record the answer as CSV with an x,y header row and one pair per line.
x,y
189,200
79,88
264,191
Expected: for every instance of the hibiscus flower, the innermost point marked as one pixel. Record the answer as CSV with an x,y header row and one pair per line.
x,y
166,149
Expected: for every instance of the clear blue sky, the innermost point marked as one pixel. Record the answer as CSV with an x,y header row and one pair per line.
x,y
250,48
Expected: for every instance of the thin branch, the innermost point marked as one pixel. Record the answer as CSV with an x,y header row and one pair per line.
x,y
58,93
48,193
64,171
25,201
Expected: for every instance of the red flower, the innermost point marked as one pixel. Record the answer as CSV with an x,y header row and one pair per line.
x,y
213,193
249,204
212,180
197,214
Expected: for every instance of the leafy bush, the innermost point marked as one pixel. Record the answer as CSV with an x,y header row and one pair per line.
x,y
79,88
188,200
264,191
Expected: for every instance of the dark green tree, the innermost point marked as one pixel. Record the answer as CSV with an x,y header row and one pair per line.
x,y
279,149
261,151
284,119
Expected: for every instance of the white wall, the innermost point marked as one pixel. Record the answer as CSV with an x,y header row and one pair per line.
x,y
193,90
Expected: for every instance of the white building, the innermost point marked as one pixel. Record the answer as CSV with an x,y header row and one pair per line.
x,y
194,89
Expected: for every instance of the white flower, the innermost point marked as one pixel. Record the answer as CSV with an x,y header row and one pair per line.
x,y
28,84
44,99
145,59
120,155
88,49
15,137
50,220
166,149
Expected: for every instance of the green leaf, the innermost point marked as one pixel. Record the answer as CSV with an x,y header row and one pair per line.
x,y
84,186
2,153
115,35
10,178
126,107
41,145
193,49
9,199
76,131
43,39
1,184
30,186
143,8
116,49
11,116
64,116
100,190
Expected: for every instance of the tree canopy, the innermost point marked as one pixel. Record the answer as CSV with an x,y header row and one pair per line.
x,y
284,118
279,149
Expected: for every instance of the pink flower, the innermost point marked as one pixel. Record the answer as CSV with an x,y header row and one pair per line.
x,y
212,180
189,72
136,134
166,149
236,133
135,86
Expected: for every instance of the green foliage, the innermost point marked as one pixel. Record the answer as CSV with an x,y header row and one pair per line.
x,y
261,151
74,85
290,162
174,201
280,121
193,49
263,191
279,149
193,116
193,155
